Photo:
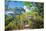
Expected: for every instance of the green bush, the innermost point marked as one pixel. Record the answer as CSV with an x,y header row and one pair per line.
x,y
11,26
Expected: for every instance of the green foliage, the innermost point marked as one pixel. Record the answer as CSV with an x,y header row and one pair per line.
x,y
29,13
30,23
10,26
38,20
28,4
40,7
8,19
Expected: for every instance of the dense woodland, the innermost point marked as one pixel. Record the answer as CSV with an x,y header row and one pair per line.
x,y
34,18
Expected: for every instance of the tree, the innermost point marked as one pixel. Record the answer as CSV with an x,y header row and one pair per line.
x,y
40,7
28,4
8,19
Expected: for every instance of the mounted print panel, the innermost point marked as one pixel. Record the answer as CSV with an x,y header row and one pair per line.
x,y
20,15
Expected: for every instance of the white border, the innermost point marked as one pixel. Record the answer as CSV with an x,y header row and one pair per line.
x,y
1,15
30,0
